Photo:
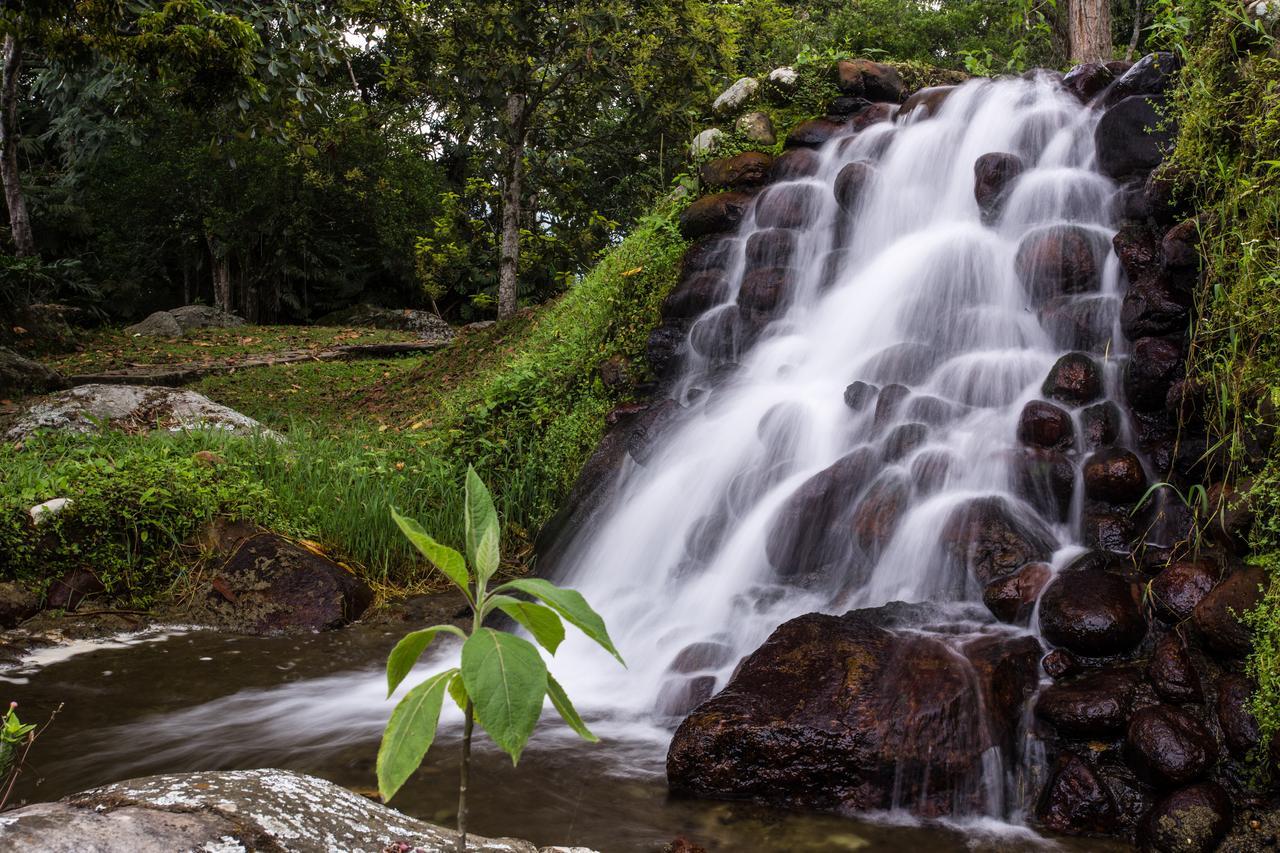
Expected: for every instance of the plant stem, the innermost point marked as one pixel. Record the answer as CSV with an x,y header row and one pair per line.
x,y
462,778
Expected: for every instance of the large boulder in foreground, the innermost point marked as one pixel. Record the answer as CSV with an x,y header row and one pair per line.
x,y
21,375
234,810
858,712
270,585
87,408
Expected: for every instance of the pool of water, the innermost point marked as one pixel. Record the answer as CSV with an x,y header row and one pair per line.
x,y
198,700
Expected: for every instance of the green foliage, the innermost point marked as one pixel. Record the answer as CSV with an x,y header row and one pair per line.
x,y
502,680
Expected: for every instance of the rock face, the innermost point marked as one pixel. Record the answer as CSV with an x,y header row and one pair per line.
x,y
20,375
83,409
425,324
1132,138
269,585
176,322
989,539
843,712
231,811
993,174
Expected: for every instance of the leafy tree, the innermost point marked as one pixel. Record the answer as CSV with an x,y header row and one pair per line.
x,y
501,681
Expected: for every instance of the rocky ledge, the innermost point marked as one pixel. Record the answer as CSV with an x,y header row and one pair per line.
x,y
230,811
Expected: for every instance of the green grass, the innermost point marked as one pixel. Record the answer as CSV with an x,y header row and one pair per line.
x,y
113,349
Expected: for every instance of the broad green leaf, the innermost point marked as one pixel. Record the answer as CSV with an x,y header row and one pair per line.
x,y
409,733
506,680
542,622
481,517
488,555
458,691
409,649
567,712
571,605
442,557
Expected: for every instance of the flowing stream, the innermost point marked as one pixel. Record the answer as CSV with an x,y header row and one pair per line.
x,y
908,291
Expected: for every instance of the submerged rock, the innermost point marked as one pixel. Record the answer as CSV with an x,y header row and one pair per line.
x,y
844,712
1074,379
225,811
993,174
1056,261
991,540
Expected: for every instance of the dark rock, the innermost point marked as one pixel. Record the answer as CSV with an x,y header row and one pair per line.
x,y
1118,67
815,132
708,254
1107,529
20,375
811,530
989,539
17,603
1154,365
1132,796
1240,728
1131,138
843,712
772,247
1095,704
615,374
795,163
643,431
748,169
1180,586
1100,424
1232,515
851,184
903,439
889,402
928,101
1172,673
662,349
859,394
878,512
1137,246
1153,74
765,289
1181,245
1074,379
1085,81
1045,425
787,206
1075,802
1046,479
846,106
701,656
695,295
1114,475
1091,612
1152,307
72,588
1013,598
1218,615
678,696
270,584
713,214
1168,746
1056,260
870,80
992,175
1080,322
1060,664
1190,820
930,470
908,363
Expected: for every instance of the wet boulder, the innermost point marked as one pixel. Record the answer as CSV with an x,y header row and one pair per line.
x,y
1240,730
270,585
852,183
662,348
878,512
925,103
1079,322
872,80
1152,307
1169,746
748,169
695,295
903,439
1137,246
713,214
1189,820
1046,479
1153,74
1218,615
757,127
1172,673
795,163
850,713
908,363
1114,475
1042,424
1074,379
712,253
930,470
1013,598
858,395
787,206
811,530
1100,424
1086,80
993,174
1180,586
816,132
771,247
1154,365
681,694
1075,801
701,656
889,403
1107,528
765,289
1091,612
990,539
1060,664
1095,704
1057,260
1132,138
1180,245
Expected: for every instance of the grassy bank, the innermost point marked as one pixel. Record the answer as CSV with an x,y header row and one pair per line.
x,y
521,400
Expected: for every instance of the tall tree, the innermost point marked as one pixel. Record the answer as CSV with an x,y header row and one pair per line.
x,y
1089,30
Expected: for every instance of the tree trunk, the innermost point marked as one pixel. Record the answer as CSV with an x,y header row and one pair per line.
x,y
1137,31
221,266
24,243
1089,30
509,253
